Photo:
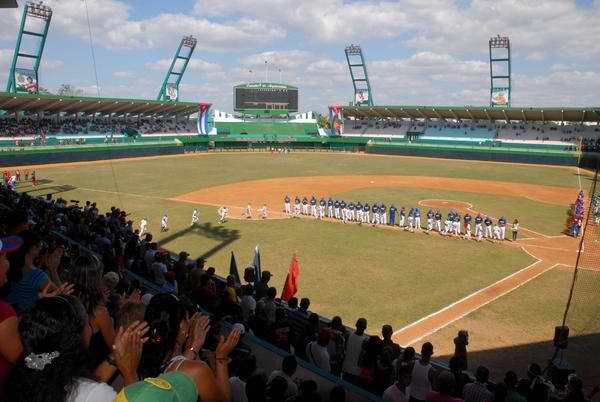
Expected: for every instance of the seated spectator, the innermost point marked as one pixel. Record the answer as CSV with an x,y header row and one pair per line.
x,y
510,381
54,365
206,294
536,387
397,391
354,346
445,386
478,391
130,312
280,331
422,375
10,343
174,344
159,269
317,351
288,368
86,277
238,383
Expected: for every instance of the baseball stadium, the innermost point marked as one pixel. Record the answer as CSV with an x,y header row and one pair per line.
x,y
363,234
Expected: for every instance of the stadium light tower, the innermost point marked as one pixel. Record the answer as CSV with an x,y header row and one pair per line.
x,y
23,74
360,79
500,74
169,91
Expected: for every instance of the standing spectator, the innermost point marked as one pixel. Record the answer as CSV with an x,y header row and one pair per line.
x,y
261,287
445,386
460,349
353,349
460,378
511,380
337,394
288,369
367,361
309,334
317,351
159,269
304,305
10,342
256,388
293,303
238,383
180,268
422,375
387,331
337,345
276,389
477,391
397,391
265,308
247,302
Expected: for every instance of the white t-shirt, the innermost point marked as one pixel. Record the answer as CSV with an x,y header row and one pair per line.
x,y
238,390
292,388
353,349
393,394
91,391
420,385
318,355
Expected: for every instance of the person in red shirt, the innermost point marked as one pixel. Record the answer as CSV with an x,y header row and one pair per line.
x,y
10,342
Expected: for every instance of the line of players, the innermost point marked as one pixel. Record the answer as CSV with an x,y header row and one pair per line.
x,y
377,214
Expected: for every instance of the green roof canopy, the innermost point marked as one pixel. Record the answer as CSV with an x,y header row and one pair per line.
x,y
525,114
15,102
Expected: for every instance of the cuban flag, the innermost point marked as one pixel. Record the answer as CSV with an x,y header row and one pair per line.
x,y
202,124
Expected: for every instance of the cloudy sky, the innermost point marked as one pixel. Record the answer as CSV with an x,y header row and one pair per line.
x,y
430,52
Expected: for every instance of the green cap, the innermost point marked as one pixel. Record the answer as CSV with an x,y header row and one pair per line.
x,y
174,386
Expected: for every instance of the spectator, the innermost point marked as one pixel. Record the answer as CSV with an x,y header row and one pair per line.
x,y
276,389
477,391
538,389
317,351
460,349
171,285
230,290
406,359
10,343
130,312
53,367
397,391
304,305
206,295
511,380
308,392
460,378
500,393
387,331
175,342
309,334
247,302
445,387
337,345
337,394
261,287
265,308
422,375
86,276
180,268
280,331
150,254
293,303
256,388
288,369
353,349
368,360
238,383
159,269
574,389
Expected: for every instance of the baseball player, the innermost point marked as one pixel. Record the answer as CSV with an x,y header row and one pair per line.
x,y
223,212
478,227
392,215
18,175
313,206
351,215
366,209
429,221
195,217
286,205
248,212
33,179
467,221
343,210
456,224
263,211
322,205
304,206
496,231
143,224
336,206
417,215
330,208
375,213
488,227
401,217
438,220
297,204
164,223
502,224
383,214
448,223
360,214
411,220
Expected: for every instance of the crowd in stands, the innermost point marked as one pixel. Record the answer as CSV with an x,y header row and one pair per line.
x,y
75,326
36,127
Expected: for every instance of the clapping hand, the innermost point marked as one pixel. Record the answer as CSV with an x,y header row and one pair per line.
x,y
127,349
199,327
64,289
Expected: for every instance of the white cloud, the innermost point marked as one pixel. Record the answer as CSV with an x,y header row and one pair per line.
x,y
123,74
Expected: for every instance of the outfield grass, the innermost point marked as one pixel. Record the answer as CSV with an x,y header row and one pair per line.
x,y
548,219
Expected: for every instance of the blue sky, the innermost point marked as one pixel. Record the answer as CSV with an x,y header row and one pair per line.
x,y
418,52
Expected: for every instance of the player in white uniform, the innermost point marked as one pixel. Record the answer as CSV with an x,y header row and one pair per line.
x,y
164,223
286,205
411,220
222,214
496,232
143,224
264,212
487,222
248,212
195,217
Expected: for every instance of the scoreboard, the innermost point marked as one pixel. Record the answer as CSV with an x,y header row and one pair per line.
x,y
265,96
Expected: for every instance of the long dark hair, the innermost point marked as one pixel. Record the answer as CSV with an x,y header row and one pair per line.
x,y
54,324
86,276
17,259
163,315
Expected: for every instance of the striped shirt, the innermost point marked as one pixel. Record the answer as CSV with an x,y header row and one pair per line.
x,y
25,293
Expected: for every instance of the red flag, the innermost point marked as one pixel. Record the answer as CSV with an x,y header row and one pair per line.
x,y
291,281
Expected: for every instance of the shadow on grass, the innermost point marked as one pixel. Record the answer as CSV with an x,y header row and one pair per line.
x,y
207,230
579,356
49,189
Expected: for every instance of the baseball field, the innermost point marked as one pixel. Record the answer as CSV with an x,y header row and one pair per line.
x,y
425,286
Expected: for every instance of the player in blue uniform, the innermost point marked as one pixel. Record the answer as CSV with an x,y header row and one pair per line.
x,y
456,224
417,215
487,222
502,224
392,215
429,221
351,211
478,227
